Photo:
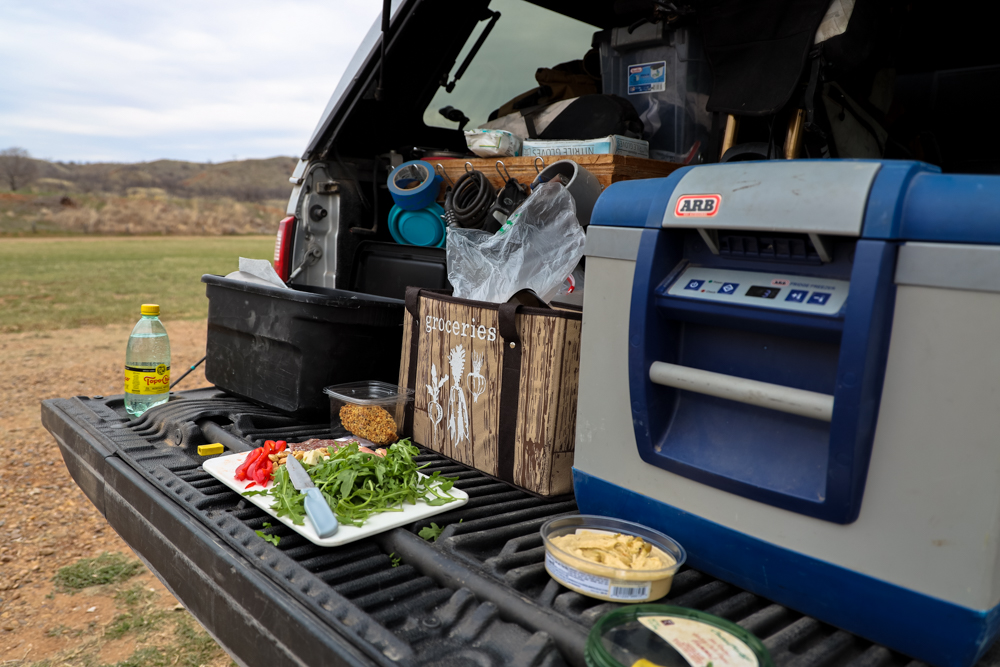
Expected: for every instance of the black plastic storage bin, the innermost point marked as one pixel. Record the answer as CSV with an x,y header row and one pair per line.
x,y
280,347
387,269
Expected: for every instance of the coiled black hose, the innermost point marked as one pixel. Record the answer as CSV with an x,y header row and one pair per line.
x,y
467,204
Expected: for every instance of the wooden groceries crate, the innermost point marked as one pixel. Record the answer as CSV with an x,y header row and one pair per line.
x,y
607,168
495,386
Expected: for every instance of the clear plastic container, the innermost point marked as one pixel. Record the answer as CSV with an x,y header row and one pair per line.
x,y
665,74
372,410
665,636
602,581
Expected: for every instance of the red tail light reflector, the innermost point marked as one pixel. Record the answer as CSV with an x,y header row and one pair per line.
x,y
283,248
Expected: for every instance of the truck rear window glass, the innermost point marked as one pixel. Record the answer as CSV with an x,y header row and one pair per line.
x,y
525,38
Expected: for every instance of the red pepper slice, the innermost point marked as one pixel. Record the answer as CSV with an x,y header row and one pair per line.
x,y
251,472
241,471
260,474
257,467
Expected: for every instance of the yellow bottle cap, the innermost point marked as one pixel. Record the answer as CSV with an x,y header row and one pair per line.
x,y
209,450
150,309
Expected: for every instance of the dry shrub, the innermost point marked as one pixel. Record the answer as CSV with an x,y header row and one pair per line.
x,y
134,215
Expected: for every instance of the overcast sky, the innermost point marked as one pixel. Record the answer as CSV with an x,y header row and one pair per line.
x,y
199,80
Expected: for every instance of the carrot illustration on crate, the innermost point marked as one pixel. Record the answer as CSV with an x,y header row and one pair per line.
x,y
458,409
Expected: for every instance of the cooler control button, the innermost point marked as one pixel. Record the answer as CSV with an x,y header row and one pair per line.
x,y
797,295
819,298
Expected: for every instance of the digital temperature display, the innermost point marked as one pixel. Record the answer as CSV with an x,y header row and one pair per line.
x,y
759,289
763,292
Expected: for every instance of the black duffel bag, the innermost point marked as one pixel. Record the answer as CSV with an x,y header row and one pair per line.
x,y
584,117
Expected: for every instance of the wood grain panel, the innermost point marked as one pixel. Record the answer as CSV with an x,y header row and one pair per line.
x,y
565,438
541,355
561,478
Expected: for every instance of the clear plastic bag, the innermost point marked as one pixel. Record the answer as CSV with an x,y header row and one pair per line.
x,y
537,249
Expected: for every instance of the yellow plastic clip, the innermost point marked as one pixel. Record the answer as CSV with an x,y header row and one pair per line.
x,y
209,450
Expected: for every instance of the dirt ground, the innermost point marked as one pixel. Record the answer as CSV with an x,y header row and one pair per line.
x,y
47,523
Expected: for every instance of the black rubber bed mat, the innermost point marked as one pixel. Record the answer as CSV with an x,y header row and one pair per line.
x,y
479,595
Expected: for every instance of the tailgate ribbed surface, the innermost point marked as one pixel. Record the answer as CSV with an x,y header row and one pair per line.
x,y
479,595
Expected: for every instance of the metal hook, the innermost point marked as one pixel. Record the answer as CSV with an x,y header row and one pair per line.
x,y
439,168
537,158
501,164
469,167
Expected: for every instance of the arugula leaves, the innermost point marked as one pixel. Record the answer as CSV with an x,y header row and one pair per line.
x,y
431,532
357,484
272,539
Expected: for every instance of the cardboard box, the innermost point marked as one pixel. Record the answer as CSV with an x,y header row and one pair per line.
x,y
614,144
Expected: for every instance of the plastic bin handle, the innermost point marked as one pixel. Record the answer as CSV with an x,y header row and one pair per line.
x,y
764,394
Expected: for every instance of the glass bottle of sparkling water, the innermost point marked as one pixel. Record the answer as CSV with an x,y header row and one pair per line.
x,y
147,363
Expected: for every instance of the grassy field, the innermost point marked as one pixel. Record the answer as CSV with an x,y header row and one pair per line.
x,y
60,283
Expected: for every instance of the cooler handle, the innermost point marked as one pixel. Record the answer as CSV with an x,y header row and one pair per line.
x,y
763,394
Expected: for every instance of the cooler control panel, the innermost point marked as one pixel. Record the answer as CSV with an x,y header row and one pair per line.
x,y
779,291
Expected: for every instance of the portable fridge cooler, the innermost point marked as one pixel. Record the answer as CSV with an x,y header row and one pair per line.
x,y
791,368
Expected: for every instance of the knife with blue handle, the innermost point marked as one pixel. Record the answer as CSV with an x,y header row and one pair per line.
x,y
317,509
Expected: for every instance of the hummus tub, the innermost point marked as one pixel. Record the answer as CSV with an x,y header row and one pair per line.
x,y
605,582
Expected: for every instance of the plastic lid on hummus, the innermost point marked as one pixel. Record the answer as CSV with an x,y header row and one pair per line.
x,y
654,635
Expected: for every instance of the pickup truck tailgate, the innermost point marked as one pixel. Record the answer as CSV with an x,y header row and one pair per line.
x,y
478,596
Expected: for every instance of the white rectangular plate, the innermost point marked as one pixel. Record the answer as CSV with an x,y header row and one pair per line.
x,y
223,468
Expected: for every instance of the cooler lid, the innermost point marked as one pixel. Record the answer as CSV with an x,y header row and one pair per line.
x,y
896,200
800,196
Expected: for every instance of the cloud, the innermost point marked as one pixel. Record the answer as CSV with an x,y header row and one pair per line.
x,y
196,80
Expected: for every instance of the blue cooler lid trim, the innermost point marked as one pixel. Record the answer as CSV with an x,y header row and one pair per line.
x,y
914,201
927,628
884,213
957,208
638,203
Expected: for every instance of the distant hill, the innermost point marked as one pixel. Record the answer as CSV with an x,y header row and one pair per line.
x,y
242,180
162,197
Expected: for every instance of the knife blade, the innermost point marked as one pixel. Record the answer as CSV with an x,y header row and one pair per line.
x,y
317,509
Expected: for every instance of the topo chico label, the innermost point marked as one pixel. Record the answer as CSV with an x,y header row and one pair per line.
x,y
147,381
